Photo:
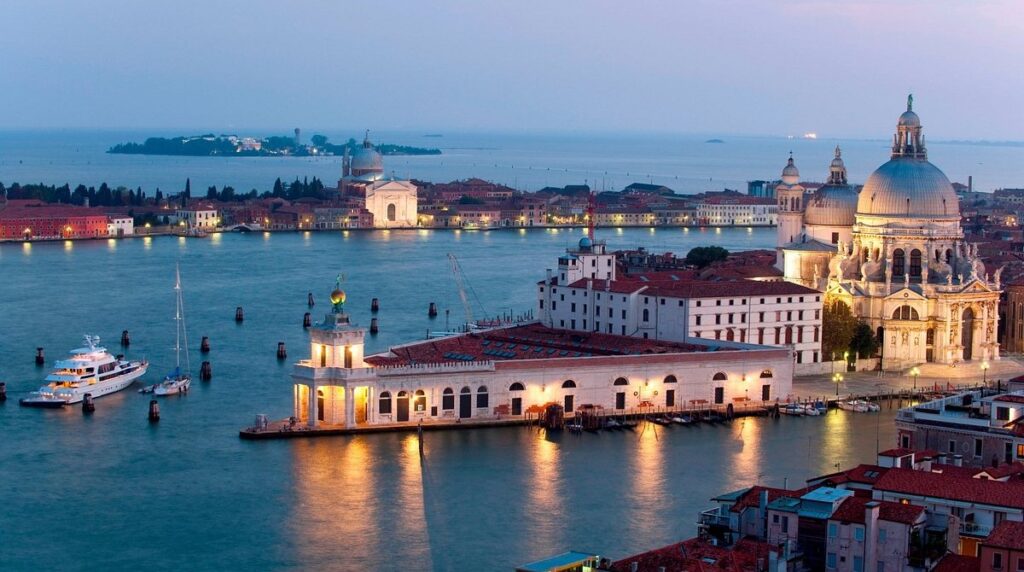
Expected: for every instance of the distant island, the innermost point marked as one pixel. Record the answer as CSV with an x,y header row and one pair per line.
x,y
714,141
210,145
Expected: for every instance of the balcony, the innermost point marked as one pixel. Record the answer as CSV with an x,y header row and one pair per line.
x,y
975,529
713,517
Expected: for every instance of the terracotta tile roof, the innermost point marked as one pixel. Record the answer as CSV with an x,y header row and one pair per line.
x,y
1010,398
698,554
1007,534
752,497
532,341
1002,471
897,452
957,563
997,493
852,511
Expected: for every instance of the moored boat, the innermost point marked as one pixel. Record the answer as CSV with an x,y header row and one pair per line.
x,y
89,369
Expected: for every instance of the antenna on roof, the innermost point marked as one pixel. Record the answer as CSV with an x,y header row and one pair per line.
x,y
590,215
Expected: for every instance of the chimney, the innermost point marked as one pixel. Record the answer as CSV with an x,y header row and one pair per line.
x,y
958,460
762,506
871,510
633,566
970,183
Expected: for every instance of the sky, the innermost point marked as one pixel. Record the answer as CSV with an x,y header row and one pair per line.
x,y
839,68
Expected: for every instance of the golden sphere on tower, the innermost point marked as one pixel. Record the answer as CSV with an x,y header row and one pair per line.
x,y
338,297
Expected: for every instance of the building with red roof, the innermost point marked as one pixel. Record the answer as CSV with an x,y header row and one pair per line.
x,y
589,294
1003,550
510,372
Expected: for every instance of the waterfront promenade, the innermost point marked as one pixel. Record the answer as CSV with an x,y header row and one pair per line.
x,y
933,377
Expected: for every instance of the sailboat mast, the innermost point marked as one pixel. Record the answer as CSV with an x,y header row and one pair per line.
x,y
181,333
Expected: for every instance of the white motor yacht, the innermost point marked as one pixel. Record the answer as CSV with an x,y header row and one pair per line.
x,y
89,370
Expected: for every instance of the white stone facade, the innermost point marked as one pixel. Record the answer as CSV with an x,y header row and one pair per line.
x,y
392,203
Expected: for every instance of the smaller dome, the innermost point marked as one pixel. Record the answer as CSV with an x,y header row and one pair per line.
x,y
790,174
367,159
832,205
909,119
338,297
585,242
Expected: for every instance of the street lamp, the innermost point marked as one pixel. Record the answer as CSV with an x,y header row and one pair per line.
x,y
984,372
846,361
837,378
915,372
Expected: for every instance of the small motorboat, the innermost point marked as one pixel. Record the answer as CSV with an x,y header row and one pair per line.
x,y
631,425
821,406
682,419
793,409
612,423
854,405
811,410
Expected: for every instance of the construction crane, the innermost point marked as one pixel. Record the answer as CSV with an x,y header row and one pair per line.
x,y
460,284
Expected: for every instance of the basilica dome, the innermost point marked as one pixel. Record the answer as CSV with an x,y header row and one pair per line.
x,y
832,206
908,186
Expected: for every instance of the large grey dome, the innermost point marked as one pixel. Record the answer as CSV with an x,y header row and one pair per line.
x,y
367,159
832,206
908,187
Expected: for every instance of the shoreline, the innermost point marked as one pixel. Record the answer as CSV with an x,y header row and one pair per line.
x,y
363,229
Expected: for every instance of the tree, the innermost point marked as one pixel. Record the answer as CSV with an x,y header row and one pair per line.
x,y
211,193
318,140
704,256
278,188
864,343
468,200
837,327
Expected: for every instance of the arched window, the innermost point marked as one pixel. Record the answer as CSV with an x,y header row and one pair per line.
x,y
647,315
720,376
949,255
481,396
568,384
516,387
320,405
905,313
621,381
392,212
915,263
448,399
419,401
466,390
898,262
938,255
766,374
729,336
384,406
670,379
789,334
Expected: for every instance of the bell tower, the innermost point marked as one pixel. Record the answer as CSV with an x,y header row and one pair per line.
x,y
790,196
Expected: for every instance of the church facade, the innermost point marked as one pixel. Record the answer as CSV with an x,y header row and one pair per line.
x,y
392,203
896,254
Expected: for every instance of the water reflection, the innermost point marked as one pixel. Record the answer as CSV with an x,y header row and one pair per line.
x,y
647,489
337,509
69,245
544,504
409,500
746,461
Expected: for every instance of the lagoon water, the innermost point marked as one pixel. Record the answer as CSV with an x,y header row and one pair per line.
x,y
110,491
526,161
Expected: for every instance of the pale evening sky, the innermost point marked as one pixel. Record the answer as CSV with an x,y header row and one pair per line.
x,y
841,68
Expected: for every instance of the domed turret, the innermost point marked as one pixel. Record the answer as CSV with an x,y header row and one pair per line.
x,y
908,186
337,296
790,174
586,243
366,160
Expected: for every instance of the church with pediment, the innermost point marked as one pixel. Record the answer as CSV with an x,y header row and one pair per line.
x,y
896,254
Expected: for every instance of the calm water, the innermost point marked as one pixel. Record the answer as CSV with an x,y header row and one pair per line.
x,y
111,491
525,161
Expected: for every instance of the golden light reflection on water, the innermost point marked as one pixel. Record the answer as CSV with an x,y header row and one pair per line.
x,y
834,441
648,488
147,242
112,244
412,524
746,446
337,509
546,511
69,245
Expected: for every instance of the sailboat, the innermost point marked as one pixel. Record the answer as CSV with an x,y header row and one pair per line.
x,y
177,381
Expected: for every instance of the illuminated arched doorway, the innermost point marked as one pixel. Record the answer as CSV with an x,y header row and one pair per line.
x,y
967,335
